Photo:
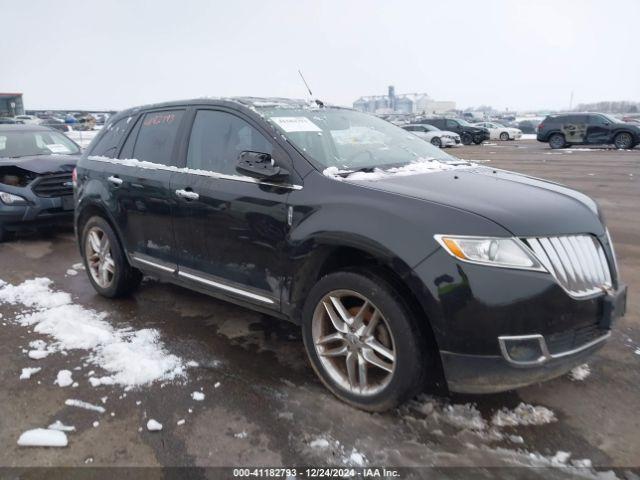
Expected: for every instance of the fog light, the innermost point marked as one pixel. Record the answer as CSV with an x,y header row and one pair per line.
x,y
524,350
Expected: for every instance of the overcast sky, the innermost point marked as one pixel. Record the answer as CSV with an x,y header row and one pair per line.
x,y
514,53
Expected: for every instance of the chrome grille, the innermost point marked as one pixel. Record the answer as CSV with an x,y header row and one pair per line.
x,y
578,262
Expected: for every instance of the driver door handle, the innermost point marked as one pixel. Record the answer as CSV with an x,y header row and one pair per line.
x,y
188,195
115,180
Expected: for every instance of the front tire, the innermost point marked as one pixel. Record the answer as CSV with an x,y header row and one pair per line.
x,y
623,141
504,136
557,140
478,140
107,267
436,142
362,340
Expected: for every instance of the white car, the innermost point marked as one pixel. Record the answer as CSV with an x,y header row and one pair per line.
x,y
27,119
433,135
500,132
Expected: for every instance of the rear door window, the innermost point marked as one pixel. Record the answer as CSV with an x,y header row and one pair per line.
x,y
452,124
217,138
107,146
156,139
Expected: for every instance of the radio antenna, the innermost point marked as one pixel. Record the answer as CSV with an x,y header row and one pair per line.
x,y
318,102
305,83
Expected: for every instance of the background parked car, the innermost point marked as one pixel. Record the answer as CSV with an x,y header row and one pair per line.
x,y
433,135
468,133
498,131
7,121
36,189
587,128
27,119
529,125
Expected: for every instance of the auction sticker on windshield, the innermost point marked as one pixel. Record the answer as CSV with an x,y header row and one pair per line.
x,y
58,148
296,124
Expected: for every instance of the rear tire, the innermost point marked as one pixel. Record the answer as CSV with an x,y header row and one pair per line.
x,y
379,378
504,136
557,140
623,141
106,264
3,234
466,139
436,142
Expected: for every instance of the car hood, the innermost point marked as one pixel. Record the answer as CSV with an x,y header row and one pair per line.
x,y
525,206
42,163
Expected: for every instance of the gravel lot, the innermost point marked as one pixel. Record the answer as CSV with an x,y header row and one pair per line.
x,y
269,409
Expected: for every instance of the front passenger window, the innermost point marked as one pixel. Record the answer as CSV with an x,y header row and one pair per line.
x,y
217,138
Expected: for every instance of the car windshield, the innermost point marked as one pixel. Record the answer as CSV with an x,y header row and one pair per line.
x,y
463,123
41,142
611,119
351,140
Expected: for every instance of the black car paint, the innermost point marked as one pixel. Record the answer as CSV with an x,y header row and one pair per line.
x,y
276,240
598,132
452,124
41,211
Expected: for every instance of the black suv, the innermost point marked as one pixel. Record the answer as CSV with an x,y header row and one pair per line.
x,y
36,189
468,133
587,129
399,261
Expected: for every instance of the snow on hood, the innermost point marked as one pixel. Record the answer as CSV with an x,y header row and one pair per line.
x,y
131,357
429,165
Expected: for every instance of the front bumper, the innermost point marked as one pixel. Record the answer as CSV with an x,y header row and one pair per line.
x,y
554,355
40,212
449,141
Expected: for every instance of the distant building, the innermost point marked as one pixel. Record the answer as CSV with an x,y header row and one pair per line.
x,y
416,103
11,104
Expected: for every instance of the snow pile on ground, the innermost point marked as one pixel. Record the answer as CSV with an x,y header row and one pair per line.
x,y
197,396
523,414
132,357
154,425
42,437
580,373
64,378
58,425
334,449
72,402
27,372
429,165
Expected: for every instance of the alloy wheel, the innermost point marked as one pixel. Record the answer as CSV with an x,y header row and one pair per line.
x,y
354,342
99,258
623,141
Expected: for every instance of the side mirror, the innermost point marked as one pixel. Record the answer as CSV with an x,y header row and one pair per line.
x,y
260,165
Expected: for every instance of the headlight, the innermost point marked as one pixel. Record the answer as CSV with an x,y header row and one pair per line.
x,y
11,199
495,251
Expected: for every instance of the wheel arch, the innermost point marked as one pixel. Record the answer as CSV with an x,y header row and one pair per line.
x,y
93,209
351,256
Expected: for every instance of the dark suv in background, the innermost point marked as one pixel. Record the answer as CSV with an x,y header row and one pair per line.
x,y
468,133
563,130
398,260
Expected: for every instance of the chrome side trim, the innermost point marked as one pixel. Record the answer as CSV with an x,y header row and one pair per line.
x,y
582,347
225,287
153,264
202,173
546,356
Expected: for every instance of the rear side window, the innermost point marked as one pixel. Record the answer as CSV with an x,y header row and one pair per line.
x,y
452,124
217,138
107,146
157,136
